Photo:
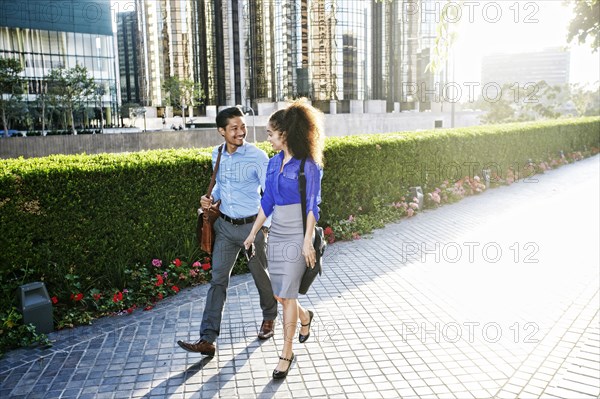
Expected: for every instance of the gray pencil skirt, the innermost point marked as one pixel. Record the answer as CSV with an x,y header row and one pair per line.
x,y
284,250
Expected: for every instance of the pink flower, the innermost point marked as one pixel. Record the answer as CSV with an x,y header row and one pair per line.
x,y
351,218
414,205
156,262
193,273
435,197
196,264
410,212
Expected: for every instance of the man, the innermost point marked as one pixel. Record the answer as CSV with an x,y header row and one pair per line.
x,y
242,172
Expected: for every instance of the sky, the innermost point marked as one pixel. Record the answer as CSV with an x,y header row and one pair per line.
x,y
511,26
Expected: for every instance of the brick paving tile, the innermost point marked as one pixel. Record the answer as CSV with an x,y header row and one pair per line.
x,y
494,296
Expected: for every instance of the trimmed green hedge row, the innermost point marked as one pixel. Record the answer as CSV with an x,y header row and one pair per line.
x,y
364,171
95,215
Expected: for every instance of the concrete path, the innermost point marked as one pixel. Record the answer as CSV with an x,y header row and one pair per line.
x,y
496,296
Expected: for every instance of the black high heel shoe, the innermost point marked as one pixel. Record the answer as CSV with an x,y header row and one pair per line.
x,y
279,375
303,338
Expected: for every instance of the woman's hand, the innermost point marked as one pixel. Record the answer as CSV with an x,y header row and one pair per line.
x,y
309,253
250,240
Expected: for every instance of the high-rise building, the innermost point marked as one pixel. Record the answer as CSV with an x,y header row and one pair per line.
x,y
332,50
249,52
44,35
165,45
129,43
551,65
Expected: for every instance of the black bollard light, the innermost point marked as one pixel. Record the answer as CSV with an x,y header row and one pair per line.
x,y
36,307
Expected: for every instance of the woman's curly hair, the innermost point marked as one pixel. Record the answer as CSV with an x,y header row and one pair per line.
x,y
302,126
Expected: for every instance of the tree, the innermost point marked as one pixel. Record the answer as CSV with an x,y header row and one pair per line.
x,y
11,88
584,100
585,22
182,92
71,88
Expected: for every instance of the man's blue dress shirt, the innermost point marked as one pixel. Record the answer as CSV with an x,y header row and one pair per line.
x,y
240,178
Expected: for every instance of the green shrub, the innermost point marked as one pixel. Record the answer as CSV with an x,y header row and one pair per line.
x,y
363,171
95,215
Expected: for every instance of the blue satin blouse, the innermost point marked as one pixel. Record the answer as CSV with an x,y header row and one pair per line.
x,y
283,189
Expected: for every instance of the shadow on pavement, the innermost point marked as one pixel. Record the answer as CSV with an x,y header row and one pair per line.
x,y
181,377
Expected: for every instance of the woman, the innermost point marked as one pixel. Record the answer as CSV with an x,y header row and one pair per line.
x,y
297,133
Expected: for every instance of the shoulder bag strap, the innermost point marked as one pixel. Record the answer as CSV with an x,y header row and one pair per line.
x,y
213,178
302,187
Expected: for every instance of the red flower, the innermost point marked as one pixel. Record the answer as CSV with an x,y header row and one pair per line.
x,y
160,296
54,300
149,307
177,262
329,234
97,297
205,266
175,288
159,280
118,297
76,297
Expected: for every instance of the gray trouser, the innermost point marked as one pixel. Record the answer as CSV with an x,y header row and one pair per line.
x,y
229,242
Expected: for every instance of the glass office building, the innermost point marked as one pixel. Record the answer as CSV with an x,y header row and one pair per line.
x,y
44,35
267,51
332,50
129,58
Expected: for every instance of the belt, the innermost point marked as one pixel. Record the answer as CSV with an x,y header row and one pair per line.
x,y
239,222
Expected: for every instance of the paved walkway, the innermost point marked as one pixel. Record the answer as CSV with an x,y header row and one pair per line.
x,y
494,296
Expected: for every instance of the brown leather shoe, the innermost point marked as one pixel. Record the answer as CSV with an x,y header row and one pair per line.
x,y
201,346
266,329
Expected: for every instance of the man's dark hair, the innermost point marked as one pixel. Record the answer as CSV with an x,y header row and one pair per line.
x,y
225,115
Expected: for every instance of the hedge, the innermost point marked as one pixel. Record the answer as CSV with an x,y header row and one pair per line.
x,y
364,171
96,215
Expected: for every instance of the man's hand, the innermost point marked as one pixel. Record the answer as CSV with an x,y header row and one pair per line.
x,y
205,202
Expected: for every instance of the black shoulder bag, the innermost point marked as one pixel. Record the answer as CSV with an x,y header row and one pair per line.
x,y
319,242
